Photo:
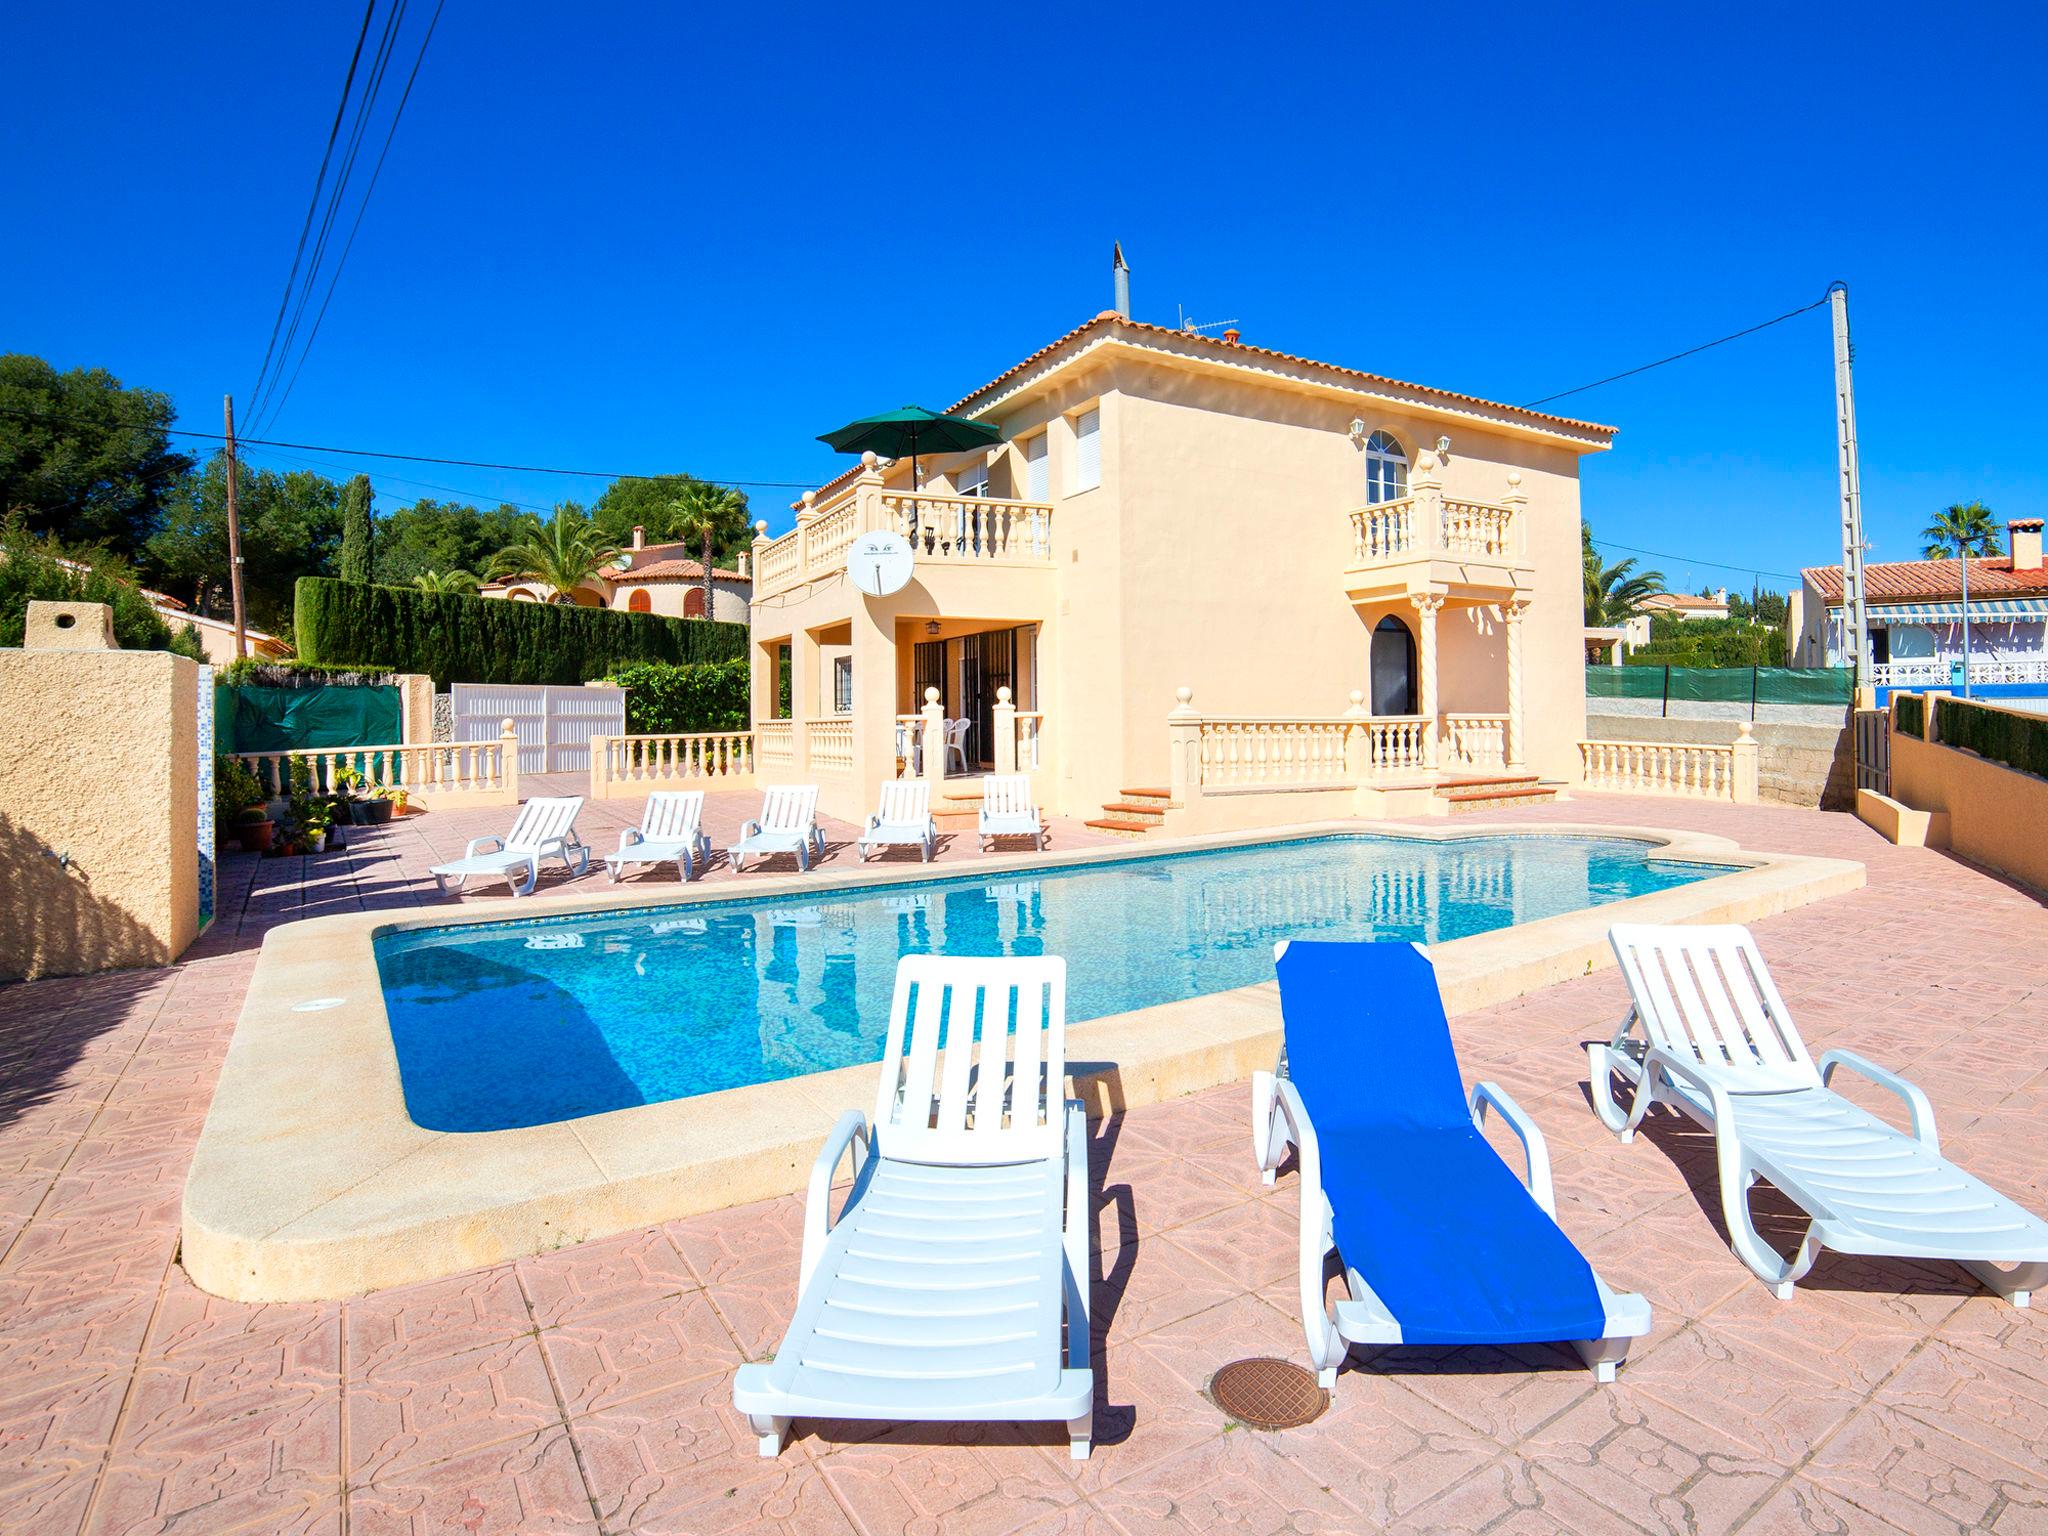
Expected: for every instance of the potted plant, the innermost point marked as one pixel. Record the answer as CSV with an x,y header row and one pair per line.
x,y
394,798
255,829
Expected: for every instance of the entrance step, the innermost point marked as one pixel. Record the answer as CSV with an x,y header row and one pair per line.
x,y
1135,812
1486,792
1119,826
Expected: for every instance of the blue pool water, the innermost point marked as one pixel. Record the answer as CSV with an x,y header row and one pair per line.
x,y
527,1022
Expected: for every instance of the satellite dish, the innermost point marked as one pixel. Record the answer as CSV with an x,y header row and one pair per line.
x,y
879,563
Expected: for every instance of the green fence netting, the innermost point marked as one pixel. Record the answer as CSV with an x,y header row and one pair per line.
x,y
1827,686
291,719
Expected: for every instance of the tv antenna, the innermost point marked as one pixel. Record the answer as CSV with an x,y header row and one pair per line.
x,y
1187,322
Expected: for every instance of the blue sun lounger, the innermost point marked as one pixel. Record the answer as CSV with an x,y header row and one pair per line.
x,y
1441,1243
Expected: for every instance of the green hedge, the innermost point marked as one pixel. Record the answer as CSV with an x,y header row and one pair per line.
x,y
491,640
261,672
2004,736
1910,711
705,696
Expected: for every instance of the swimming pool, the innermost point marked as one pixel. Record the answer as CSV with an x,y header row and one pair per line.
x,y
522,1023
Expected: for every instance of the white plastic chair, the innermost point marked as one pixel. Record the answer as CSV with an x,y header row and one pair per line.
x,y
905,818
1008,810
670,832
544,826
1718,1043
954,1286
956,743
788,823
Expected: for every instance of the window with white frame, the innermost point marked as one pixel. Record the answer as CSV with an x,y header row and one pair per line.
x,y
1037,469
842,685
1087,474
1386,469
973,480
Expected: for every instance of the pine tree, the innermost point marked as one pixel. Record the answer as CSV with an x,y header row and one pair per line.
x,y
355,530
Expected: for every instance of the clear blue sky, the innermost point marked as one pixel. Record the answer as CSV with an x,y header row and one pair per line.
x,y
662,238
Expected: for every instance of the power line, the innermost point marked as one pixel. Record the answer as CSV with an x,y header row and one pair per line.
x,y
477,498
1789,314
1719,565
425,458
313,203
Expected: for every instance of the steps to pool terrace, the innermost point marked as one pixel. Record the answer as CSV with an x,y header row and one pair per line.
x,y
1134,813
1486,792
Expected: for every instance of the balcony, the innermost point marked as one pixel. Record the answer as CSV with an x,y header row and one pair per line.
x,y
1947,672
1429,543
940,529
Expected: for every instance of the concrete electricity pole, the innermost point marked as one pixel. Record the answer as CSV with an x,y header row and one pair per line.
x,y
1858,635
235,539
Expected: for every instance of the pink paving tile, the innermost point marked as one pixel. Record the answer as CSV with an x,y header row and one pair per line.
x,y
624,1355
530,1486
440,1317
589,1280
974,1480
410,1412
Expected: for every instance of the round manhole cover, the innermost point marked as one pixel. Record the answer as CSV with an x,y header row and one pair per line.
x,y
1268,1394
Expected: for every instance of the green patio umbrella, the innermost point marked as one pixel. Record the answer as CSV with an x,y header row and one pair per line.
x,y
909,432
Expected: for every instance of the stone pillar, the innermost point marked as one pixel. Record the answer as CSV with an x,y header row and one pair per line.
x,y
1513,613
1183,747
415,709
1427,605
1746,755
1517,503
1427,489
872,641
806,514
934,744
508,755
1005,728
803,700
1358,740
868,496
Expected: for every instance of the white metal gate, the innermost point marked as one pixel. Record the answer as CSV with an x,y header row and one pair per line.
x,y
554,724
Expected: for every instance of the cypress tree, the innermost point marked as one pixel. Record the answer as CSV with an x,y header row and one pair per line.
x,y
355,530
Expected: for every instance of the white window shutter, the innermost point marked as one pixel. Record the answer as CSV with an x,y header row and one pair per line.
x,y
1088,450
1037,481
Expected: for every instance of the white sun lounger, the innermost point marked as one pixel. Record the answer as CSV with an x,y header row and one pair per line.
x,y
544,827
905,819
1717,1042
670,832
954,1285
788,823
1007,810
1441,1243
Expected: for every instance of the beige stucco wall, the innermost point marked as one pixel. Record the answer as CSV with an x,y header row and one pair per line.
x,y
100,765
666,598
1997,816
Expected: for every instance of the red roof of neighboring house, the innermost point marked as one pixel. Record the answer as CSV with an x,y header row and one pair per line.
x,y
1670,600
669,570
1924,581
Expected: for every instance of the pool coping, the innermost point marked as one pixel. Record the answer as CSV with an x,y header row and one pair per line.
x,y
310,1182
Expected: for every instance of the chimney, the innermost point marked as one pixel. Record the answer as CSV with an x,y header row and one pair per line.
x,y
1123,280
2023,534
639,537
1721,596
1230,336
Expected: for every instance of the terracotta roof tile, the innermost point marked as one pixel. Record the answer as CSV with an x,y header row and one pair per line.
x,y
1924,581
669,570
1672,600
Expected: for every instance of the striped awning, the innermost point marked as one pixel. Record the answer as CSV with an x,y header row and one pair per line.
x,y
1992,611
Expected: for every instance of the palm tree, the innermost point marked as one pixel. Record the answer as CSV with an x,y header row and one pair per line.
x,y
1963,526
458,582
710,514
1613,592
562,553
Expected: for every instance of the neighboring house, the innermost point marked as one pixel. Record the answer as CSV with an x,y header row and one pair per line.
x,y
1171,510
665,579
1608,644
217,636
1913,610
1685,606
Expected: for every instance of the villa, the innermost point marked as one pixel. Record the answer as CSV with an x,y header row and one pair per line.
x,y
664,579
1685,606
1305,549
1914,612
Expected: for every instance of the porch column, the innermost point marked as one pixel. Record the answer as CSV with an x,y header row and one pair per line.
x,y
934,744
1427,605
803,699
872,643
1513,613
1003,724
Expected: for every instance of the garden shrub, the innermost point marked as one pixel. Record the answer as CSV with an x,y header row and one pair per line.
x,y
260,672
460,639
2003,736
704,696
31,572
234,790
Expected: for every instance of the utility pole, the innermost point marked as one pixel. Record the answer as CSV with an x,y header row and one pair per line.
x,y
235,539
1858,636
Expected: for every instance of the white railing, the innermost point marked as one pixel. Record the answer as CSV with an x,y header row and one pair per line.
x,y
1397,745
1695,770
469,772
1945,671
969,528
1030,733
829,745
636,765
1267,754
774,742
1383,532
1476,741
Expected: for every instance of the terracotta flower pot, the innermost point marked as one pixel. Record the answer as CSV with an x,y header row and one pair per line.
x,y
256,836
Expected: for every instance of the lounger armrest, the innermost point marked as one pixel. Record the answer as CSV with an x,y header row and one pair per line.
x,y
479,845
1534,1148
1080,1208
874,821
1326,1347
749,828
629,837
1657,1059
852,1127
1917,1103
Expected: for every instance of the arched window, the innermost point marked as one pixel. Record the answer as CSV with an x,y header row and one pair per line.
x,y
1386,469
693,603
638,602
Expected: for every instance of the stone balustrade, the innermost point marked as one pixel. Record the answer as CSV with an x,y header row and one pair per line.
x,y
775,742
1232,754
828,745
624,766
1397,745
1257,754
1427,525
1693,770
433,774
1476,741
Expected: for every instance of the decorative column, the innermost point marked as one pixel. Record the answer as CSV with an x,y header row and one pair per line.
x,y
1357,740
1427,489
806,515
1004,723
868,496
1183,747
1745,764
934,744
1427,605
1514,750
1515,537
